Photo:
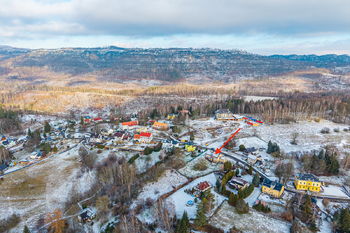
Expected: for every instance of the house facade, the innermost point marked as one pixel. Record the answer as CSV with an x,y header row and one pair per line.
x,y
306,181
96,138
272,188
160,126
129,125
254,160
171,116
224,114
190,147
201,187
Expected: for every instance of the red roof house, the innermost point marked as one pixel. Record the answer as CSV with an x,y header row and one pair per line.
x,y
129,124
98,119
203,186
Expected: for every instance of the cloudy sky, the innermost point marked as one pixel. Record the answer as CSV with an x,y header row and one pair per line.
x,y
258,26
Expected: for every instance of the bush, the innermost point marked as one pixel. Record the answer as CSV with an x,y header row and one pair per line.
x,y
262,208
99,151
325,202
346,130
100,146
84,206
325,130
336,130
132,159
242,207
241,147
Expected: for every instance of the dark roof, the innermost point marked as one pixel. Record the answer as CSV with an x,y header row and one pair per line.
x,y
119,134
3,167
84,215
307,176
249,150
238,181
272,184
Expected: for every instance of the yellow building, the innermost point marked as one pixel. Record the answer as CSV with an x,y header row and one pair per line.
x,y
272,188
305,181
190,147
141,129
160,126
171,116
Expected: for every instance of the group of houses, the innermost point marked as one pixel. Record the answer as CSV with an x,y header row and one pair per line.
x,y
227,115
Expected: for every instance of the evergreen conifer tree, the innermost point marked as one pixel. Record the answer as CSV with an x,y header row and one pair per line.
x,y
256,180
201,219
344,220
26,229
250,170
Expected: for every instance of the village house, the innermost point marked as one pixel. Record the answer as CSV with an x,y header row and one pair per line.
x,y
105,132
201,187
37,154
215,158
255,160
98,119
143,137
86,216
272,188
224,114
190,147
250,150
171,116
129,125
87,119
96,138
238,117
146,137
237,183
306,181
160,126
118,136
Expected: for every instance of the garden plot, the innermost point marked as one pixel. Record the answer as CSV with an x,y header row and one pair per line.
x,y
147,161
310,136
334,191
251,142
253,221
165,184
189,171
180,198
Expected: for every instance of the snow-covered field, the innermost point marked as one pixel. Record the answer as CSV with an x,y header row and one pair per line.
x,y
310,136
41,188
166,183
251,142
251,222
333,190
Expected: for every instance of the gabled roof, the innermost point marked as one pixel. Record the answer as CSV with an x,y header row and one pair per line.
x,y
249,150
272,184
307,177
203,186
98,119
137,136
129,123
238,181
147,135
160,124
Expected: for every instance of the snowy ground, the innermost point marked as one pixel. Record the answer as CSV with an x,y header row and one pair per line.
x,y
310,136
180,198
166,183
252,222
251,142
333,190
188,170
266,198
41,188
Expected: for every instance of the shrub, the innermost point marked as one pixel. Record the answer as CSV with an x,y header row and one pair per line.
x,y
132,159
201,165
325,202
242,207
262,208
346,130
100,146
84,206
336,130
241,147
99,151
325,130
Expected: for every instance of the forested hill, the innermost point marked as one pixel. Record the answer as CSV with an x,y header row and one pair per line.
x,y
173,64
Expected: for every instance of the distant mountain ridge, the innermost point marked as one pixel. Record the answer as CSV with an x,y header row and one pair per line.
x,y
170,64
